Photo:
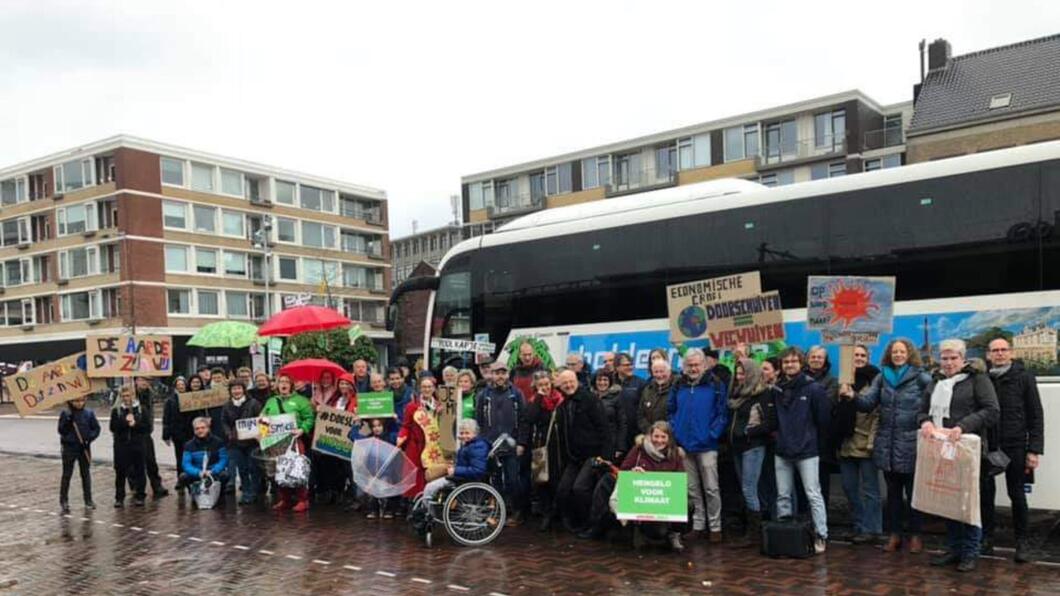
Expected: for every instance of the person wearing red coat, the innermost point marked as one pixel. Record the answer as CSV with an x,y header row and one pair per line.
x,y
412,437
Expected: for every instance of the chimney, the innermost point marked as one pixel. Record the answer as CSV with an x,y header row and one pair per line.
x,y
938,54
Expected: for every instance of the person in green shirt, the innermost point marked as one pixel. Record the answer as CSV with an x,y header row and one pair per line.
x,y
286,401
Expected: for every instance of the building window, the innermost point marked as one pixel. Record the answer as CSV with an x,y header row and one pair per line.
x,y
15,231
202,177
13,191
781,140
558,179
232,224
741,142
665,161
288,269
476,200
174,215
318,235
80,306
76,219
285,229
829,130
206,261
887,161
312,271
207,303
778,178
537,186
317,199
73,175
596,172
178,302
176,259
172,171
205,218
78,262
285,192
693,152
236,305
232,182
354,276
820,171
235,264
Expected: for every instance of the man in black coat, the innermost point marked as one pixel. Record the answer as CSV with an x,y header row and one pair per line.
x,y
145,393
632,385
1020,434
581,427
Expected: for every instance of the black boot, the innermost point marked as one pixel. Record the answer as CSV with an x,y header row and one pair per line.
x,y
1024,554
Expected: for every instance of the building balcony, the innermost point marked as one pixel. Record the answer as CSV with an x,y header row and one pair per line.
x,y
626,182
883,138
803,150
517,204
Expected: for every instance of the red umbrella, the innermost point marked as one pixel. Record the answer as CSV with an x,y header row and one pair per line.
x,y
309,369
303,319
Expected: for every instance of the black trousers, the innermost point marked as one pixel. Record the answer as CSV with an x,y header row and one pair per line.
x,y
575,490
899,497
1014,474
71,456
151,465
129,466
178,454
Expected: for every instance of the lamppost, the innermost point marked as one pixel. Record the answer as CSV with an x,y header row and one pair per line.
x,y
262,241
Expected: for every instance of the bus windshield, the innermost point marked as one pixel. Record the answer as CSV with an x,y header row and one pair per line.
x,y
452,309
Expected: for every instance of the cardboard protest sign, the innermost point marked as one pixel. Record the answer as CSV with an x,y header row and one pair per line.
x,y
686,302
447,398
652,496
129,355
330,430
376,404
247,429
752,320
276,428
850,304
946,482
192,401
850,339
48,385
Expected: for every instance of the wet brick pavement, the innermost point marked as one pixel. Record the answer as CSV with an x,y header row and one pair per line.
x,y
166,548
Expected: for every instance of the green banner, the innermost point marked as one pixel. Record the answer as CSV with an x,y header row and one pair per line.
x,y
379,404
653,496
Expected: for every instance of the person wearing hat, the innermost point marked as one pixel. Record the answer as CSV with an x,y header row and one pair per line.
x,y
500,410
241,460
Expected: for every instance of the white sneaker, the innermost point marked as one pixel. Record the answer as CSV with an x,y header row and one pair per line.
x,y
819,546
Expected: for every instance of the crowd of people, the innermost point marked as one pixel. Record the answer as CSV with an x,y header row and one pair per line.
x,y
781,427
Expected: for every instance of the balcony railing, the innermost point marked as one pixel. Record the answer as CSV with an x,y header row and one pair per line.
x,y
626,181
786,151
884,137
372,216
515,204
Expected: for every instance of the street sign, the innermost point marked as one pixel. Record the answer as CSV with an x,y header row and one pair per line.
x,y
462,345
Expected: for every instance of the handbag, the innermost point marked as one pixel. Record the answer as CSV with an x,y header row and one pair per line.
x,y
207,491
539,456
292,469
996,460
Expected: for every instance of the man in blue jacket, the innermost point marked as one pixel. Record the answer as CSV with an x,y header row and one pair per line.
x,y
500,409
802,408
698,415
204,447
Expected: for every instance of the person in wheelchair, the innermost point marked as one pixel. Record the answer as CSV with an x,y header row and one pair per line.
x,y
471,461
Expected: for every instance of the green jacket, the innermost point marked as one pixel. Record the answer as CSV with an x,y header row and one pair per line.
x,y
296,404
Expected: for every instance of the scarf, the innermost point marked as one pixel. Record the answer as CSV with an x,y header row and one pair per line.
x,y
1000,371
651,451
239,402
549,402
941,396
893,376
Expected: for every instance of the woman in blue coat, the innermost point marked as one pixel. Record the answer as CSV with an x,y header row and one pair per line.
x,y
898,391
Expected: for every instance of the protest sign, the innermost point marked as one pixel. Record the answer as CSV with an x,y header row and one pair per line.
x,y
447,398
946,482
376,404
276,428
850,304
247,429
192,401
129,355
686,302
462,345
48,385
330,430
753,320
849,339
652,496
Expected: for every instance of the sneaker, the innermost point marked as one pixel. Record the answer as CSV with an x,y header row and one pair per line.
x,y
675,542
1023,552
119,504
90,506
64,508
138,502
820,545
945,559
966,565
388,515
371,515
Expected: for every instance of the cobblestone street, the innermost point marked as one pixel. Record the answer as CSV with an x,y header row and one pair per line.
x,y
170,548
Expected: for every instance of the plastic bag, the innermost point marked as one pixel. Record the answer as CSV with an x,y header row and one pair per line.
x,y
946,483
206,493
292,469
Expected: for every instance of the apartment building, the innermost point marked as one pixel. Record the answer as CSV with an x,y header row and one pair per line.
x,y
430,246
817,138
127,233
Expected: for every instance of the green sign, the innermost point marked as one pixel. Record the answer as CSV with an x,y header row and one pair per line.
x,y
379,404
653,496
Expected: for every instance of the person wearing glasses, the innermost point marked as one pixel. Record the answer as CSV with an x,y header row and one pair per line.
x,y
1020,434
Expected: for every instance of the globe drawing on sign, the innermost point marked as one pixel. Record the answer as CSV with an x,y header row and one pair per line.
x,y
692,322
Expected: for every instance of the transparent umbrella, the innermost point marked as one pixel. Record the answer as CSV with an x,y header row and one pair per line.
x,y
381,469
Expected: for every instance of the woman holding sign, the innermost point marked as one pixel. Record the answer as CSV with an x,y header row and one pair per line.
x,y
332,472
286,401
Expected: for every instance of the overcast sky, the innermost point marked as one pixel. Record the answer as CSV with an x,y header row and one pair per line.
x,y
408,97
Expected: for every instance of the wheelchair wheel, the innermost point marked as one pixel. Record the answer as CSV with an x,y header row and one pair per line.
x,y
474,514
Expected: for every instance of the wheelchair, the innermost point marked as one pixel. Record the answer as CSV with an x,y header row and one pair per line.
x,y
472,513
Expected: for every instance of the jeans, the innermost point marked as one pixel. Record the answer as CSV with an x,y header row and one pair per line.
x,y
510,483
241,462
1014,483
70,457
749,469
861,484
899,496
963,539
704,490
808,471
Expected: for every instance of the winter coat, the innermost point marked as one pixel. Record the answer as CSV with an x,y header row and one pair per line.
x,y
86,424
262,395
212,449
533,433
581,426
973,407
894,447
638,457
147,401
125,434
523,376
176,425
500,410
471,460
617,429
698,412
654,399
363,384
1022,423
296,404
630,400
827,443
250,408
743,437
800,410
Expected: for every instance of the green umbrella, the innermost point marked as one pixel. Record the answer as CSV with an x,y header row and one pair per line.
x,y
225,334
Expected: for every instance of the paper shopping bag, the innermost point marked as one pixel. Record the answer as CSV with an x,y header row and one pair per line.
x,y
946,483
